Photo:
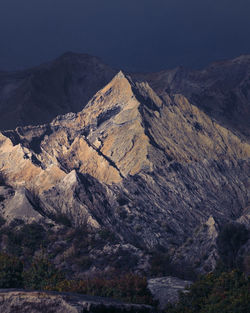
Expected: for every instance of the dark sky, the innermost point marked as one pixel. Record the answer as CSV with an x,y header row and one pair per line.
x,y
144,35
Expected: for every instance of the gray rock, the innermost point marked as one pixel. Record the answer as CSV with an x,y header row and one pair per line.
x,y
166,289
154,171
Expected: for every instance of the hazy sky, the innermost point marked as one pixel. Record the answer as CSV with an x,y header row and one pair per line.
x,y
131,34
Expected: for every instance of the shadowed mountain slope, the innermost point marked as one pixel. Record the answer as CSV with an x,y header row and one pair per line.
x,y
221,90
36,96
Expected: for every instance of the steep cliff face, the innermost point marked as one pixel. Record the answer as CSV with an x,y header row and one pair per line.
x,y
153,168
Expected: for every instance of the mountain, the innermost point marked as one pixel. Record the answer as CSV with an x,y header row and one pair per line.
x,y
37,95
221,90
145,167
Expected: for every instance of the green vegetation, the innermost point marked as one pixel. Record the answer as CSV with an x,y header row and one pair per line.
x,y
107,236
62,219
70,246
11,269
126,287
42,275
2,220
226,292
229,241
161,265
23,239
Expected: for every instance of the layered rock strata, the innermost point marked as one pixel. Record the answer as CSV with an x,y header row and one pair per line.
x,y
149,168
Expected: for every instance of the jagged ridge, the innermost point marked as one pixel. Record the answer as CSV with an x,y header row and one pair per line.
x,y
172,165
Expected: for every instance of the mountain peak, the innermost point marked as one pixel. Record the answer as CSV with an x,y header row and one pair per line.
x,y
119,78
147,166
120,74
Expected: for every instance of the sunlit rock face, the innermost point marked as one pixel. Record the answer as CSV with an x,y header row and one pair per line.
x,y
221,90
151,167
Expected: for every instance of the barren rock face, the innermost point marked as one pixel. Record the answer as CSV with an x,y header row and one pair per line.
x,y
221,90
149,166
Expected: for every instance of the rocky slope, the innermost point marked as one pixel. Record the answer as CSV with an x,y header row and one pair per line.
x,y
221,90
151,168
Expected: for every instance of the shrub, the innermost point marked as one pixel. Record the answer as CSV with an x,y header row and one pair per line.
x,y
227,292
42,275
10,272
31,235
160,264
127,288
107,236
229,241
246,264
2,221
63,219
24,239
84,262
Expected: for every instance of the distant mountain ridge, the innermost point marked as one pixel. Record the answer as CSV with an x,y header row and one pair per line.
x,y
36,96
221,90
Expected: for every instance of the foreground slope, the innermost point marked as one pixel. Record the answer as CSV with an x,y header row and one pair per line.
x,y
12,300
148,168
